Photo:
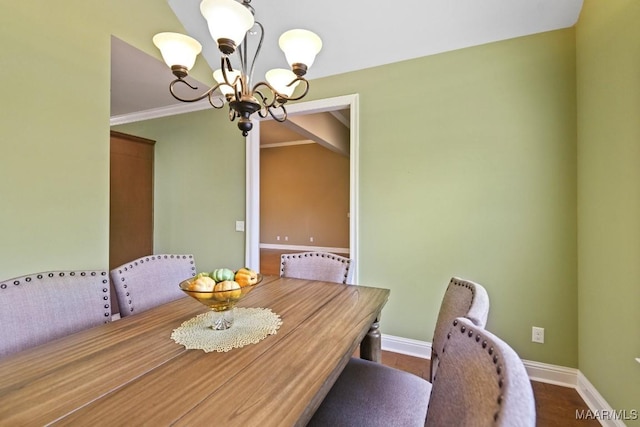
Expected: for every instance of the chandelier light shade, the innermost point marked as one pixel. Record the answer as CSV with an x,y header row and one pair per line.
x,y
300,47
230,24
178,51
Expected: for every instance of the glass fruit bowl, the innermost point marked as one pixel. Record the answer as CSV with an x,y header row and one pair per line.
x,y
221,300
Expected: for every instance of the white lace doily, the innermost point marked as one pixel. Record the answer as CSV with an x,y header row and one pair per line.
x,y
250,325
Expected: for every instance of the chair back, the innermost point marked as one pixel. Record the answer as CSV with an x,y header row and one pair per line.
x,y
150,281
481,381
463,298
41,307
317,266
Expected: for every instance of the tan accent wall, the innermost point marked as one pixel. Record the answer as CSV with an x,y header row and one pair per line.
x,y
304,194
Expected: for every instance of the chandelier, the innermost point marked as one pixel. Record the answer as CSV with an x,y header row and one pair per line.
x,y
230,24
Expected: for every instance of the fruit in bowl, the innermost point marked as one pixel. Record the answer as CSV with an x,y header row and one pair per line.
x,y
220,292
246,276
227,290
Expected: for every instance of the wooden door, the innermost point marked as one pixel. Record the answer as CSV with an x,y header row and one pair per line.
x,y
131,200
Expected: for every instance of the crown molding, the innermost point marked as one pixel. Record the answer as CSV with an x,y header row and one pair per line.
x,y
155,113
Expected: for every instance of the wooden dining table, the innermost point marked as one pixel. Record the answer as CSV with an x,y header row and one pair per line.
x,y
131,372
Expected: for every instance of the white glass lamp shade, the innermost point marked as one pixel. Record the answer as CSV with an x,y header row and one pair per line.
x,y
177,49
227,19
219,77
279,78
300,46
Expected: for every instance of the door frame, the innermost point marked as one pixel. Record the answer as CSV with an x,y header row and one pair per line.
x,y
252,229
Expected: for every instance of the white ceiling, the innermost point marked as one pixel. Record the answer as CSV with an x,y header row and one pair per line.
x,y
355,34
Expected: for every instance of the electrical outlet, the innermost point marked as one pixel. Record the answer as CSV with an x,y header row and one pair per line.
x,y
311,239
537,335
239,225
286,238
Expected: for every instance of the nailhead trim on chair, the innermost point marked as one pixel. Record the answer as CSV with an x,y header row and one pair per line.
x,y
153,258
105,281
323,255
490,351
460,282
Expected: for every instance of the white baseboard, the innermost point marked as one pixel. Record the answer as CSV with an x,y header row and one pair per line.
x,y
597,404
406,346
551,374
542,372
304,248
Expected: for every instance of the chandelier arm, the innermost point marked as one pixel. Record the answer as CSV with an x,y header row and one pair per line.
x,y
213,104
263,112
198,98
225,62
281,98
267,99
276,118
225,66
304,93
258,49
272,99
232,114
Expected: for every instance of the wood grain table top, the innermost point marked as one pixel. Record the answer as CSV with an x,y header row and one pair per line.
x,y
130,371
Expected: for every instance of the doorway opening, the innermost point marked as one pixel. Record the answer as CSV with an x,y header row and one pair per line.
x,y
348,103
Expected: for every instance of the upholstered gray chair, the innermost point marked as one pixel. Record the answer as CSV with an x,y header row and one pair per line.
x,y
41,307
480,381
364,392
150,281
373,395
317,266
463,298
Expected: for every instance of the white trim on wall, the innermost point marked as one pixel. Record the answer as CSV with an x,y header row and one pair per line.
x,y
415,348
596,403
155,113
252,192
304,248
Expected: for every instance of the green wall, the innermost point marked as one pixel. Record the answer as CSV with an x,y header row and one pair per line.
x,y
199,186
608,61
471,171
54,163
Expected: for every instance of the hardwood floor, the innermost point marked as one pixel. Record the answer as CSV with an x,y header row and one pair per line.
x,y
556,406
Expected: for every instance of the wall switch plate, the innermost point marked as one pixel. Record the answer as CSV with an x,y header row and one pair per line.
x,y
537,335
239,225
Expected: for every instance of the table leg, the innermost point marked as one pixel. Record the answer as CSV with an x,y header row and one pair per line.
x,y
371,345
